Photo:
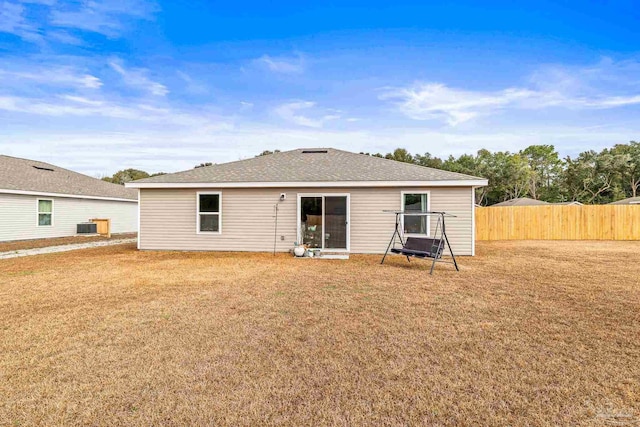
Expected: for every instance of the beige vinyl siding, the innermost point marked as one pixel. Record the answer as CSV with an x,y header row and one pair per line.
x,y
168,218
18,216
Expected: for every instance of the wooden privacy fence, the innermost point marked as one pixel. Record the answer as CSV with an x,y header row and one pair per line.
x,y
559,222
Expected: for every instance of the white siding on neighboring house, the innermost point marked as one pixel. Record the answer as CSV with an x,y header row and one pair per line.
x,y
168,218
19,216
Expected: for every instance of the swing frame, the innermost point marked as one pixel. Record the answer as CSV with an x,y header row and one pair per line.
x,y
439,236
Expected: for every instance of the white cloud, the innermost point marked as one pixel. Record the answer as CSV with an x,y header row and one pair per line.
x,y
73,106
82,100
52,76
13,21
100,153
550,87
137,78
62,36
284,65
107,17
192,86
90,81
437,101
291,112
43,2
246,106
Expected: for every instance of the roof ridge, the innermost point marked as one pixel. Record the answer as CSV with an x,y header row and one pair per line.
x,y
30,160
259,156
370,156
291,165
55,167
409,164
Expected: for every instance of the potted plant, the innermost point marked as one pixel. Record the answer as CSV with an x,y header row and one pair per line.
x,y
299,250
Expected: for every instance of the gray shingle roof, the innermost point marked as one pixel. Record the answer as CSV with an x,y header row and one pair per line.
x,y
309,165
572,203
526,201
31,175
629,201
520,201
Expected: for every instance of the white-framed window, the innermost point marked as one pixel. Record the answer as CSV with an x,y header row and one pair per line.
x,y
45,212
209,212
416,201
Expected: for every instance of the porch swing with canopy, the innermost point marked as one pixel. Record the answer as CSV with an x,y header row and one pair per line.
x,y
421,247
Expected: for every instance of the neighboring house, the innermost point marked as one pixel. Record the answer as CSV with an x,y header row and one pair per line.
x,y
39,200
520,201
573,203
629,201
326,198
526,201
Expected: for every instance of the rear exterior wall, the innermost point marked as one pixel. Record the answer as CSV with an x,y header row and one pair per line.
x,y
168,218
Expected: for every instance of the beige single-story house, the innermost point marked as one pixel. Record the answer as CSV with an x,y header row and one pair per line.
x,y
519,201
627,201
329,199
571,203
527,201
39,200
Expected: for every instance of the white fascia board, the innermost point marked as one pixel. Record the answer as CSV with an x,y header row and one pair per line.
x,y
70,196
327,184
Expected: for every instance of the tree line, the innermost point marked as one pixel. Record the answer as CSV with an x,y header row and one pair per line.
x,y
538,172
128,175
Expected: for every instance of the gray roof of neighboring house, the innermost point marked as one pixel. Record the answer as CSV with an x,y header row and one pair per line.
x,y
629,201
30,175
309,165
520,201
573,203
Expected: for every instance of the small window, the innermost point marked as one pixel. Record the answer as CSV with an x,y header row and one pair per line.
x,y
45,213
209,213
416,202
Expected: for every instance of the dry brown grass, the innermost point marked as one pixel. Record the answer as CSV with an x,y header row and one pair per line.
x,y
17,245
528,333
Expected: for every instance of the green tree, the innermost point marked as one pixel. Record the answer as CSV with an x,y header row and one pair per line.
x,y
546,166
630,168
202,165
267,152
469,164
592,176
126,175
466,164
428,160
509,175
400,155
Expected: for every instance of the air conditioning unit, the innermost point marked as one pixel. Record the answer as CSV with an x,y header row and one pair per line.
x,y
87,228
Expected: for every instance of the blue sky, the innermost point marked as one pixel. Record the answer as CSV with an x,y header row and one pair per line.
x,y
98,86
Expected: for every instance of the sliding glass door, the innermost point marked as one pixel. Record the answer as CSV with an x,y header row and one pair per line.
x,y
311,221
324,221
335,222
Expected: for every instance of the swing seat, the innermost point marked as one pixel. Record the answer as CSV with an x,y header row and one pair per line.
x,y
421,247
